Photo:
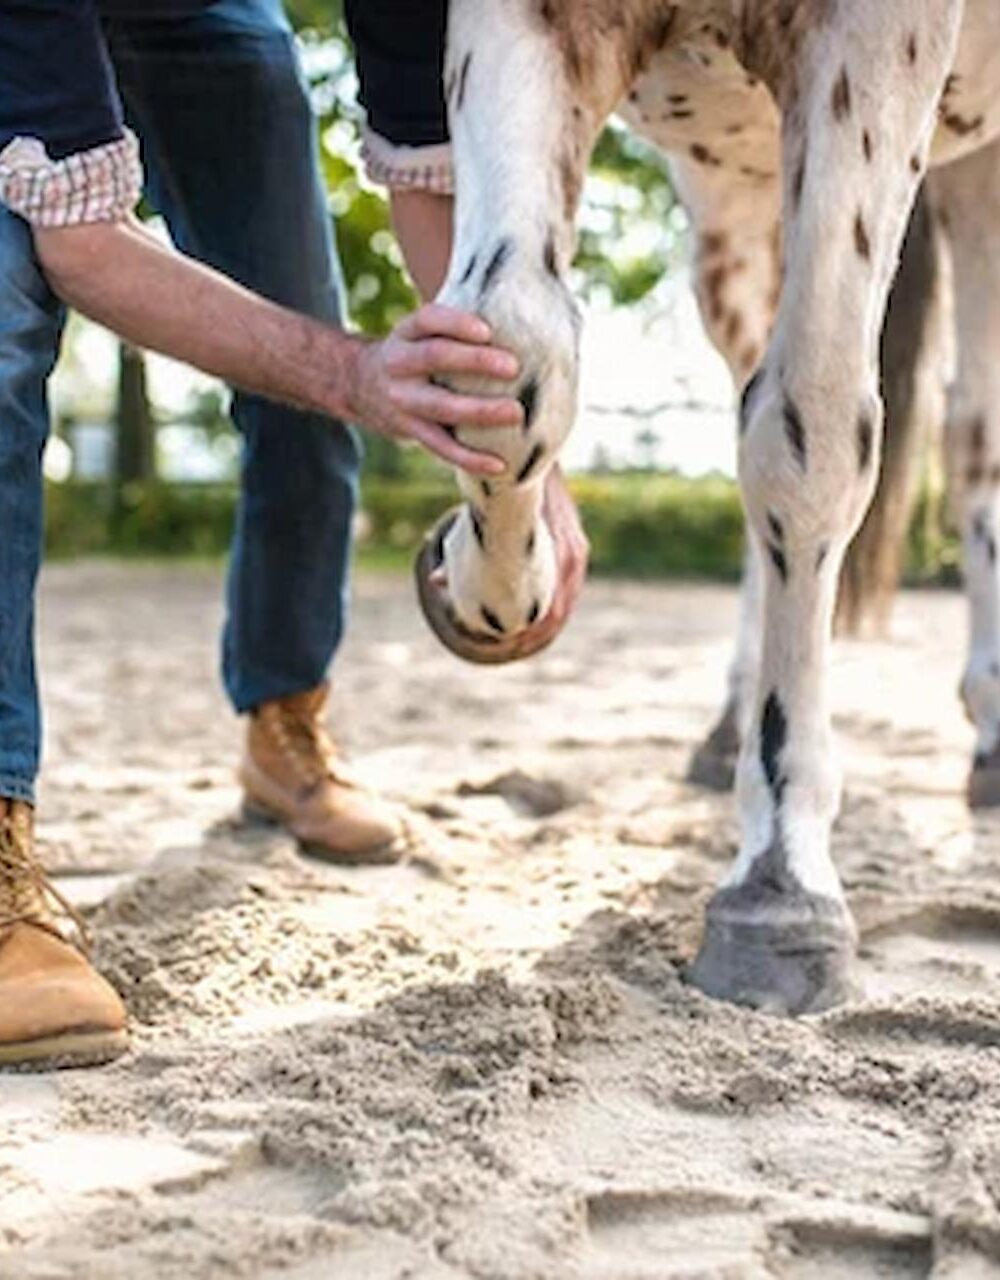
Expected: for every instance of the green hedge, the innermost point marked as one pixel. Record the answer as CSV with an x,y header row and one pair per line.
x,y
639,524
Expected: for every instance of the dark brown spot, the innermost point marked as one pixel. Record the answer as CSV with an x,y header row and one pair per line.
x,y
478,528
778,560
866,144
704,156
915,165
776,527
866,441
549,256
911,48
533,612
528,397
532,461
841,99
861,242
503,251
798,182
463,77
795,432
491,619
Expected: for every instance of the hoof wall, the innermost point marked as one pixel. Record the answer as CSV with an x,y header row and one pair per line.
x,y
791,959
714,770
983,790
713,764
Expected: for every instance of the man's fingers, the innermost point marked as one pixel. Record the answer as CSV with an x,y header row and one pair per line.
x,y
448,449
433,320
443,355
438,404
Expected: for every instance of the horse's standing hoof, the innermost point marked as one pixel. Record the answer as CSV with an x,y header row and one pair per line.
x,y
786,955
712,769
983,789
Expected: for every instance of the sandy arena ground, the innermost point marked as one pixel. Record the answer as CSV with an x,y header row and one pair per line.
x,y
485,1063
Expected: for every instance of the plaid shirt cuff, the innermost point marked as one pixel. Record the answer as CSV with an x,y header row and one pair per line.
x,y
99,185
408,168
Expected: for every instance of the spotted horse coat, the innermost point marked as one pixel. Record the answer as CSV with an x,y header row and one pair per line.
x,y
798,132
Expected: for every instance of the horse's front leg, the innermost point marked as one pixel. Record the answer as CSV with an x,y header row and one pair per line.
x,y
858,91
527,91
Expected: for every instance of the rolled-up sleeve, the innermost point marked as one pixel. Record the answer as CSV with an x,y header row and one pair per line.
x,y
399,49
65,155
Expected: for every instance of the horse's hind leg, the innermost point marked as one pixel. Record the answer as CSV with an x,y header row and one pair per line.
x,y
859,92
967,194
736,223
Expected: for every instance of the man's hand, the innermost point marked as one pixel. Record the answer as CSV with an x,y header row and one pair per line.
x,y
394,394
121,276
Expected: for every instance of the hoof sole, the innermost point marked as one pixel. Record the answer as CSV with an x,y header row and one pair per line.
x,y
793,960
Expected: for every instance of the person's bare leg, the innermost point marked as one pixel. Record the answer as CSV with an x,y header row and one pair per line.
x,y
423,222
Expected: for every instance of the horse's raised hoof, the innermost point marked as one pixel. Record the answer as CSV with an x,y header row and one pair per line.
x,y
983,788
713,764
473,646
786,955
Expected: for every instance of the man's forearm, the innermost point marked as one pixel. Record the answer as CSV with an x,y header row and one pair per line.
x,y
119,275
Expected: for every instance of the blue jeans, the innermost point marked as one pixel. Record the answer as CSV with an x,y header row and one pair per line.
x,y
229,147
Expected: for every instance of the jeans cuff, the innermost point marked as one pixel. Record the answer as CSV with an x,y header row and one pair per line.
x,y
12,788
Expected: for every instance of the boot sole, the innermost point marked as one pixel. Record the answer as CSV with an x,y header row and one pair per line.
x,y
70,1049
382,855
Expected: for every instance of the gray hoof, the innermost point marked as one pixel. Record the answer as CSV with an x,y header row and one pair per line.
x,y
713,764
983,788
786,954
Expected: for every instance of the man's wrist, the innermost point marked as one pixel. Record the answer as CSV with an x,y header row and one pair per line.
x,y
339,374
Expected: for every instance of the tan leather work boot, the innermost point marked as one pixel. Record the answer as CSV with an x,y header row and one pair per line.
x,y
55,1009
291,774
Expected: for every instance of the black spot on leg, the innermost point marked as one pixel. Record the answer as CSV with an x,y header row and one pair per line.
x,y
773,736
747,398
866,442
549,256
532,461
529,546
778,560
866,145
798,182
776,527
463,77
533,612
467,273
478,527
528,398
982,533
487,488
911,48
503,251
491,619
861,241
795,432
841,98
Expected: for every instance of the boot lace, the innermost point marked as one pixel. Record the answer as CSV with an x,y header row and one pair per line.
x,y
307,746
26,894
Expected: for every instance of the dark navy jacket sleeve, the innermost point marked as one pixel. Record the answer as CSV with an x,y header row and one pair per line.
x,y
399,47
56,81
